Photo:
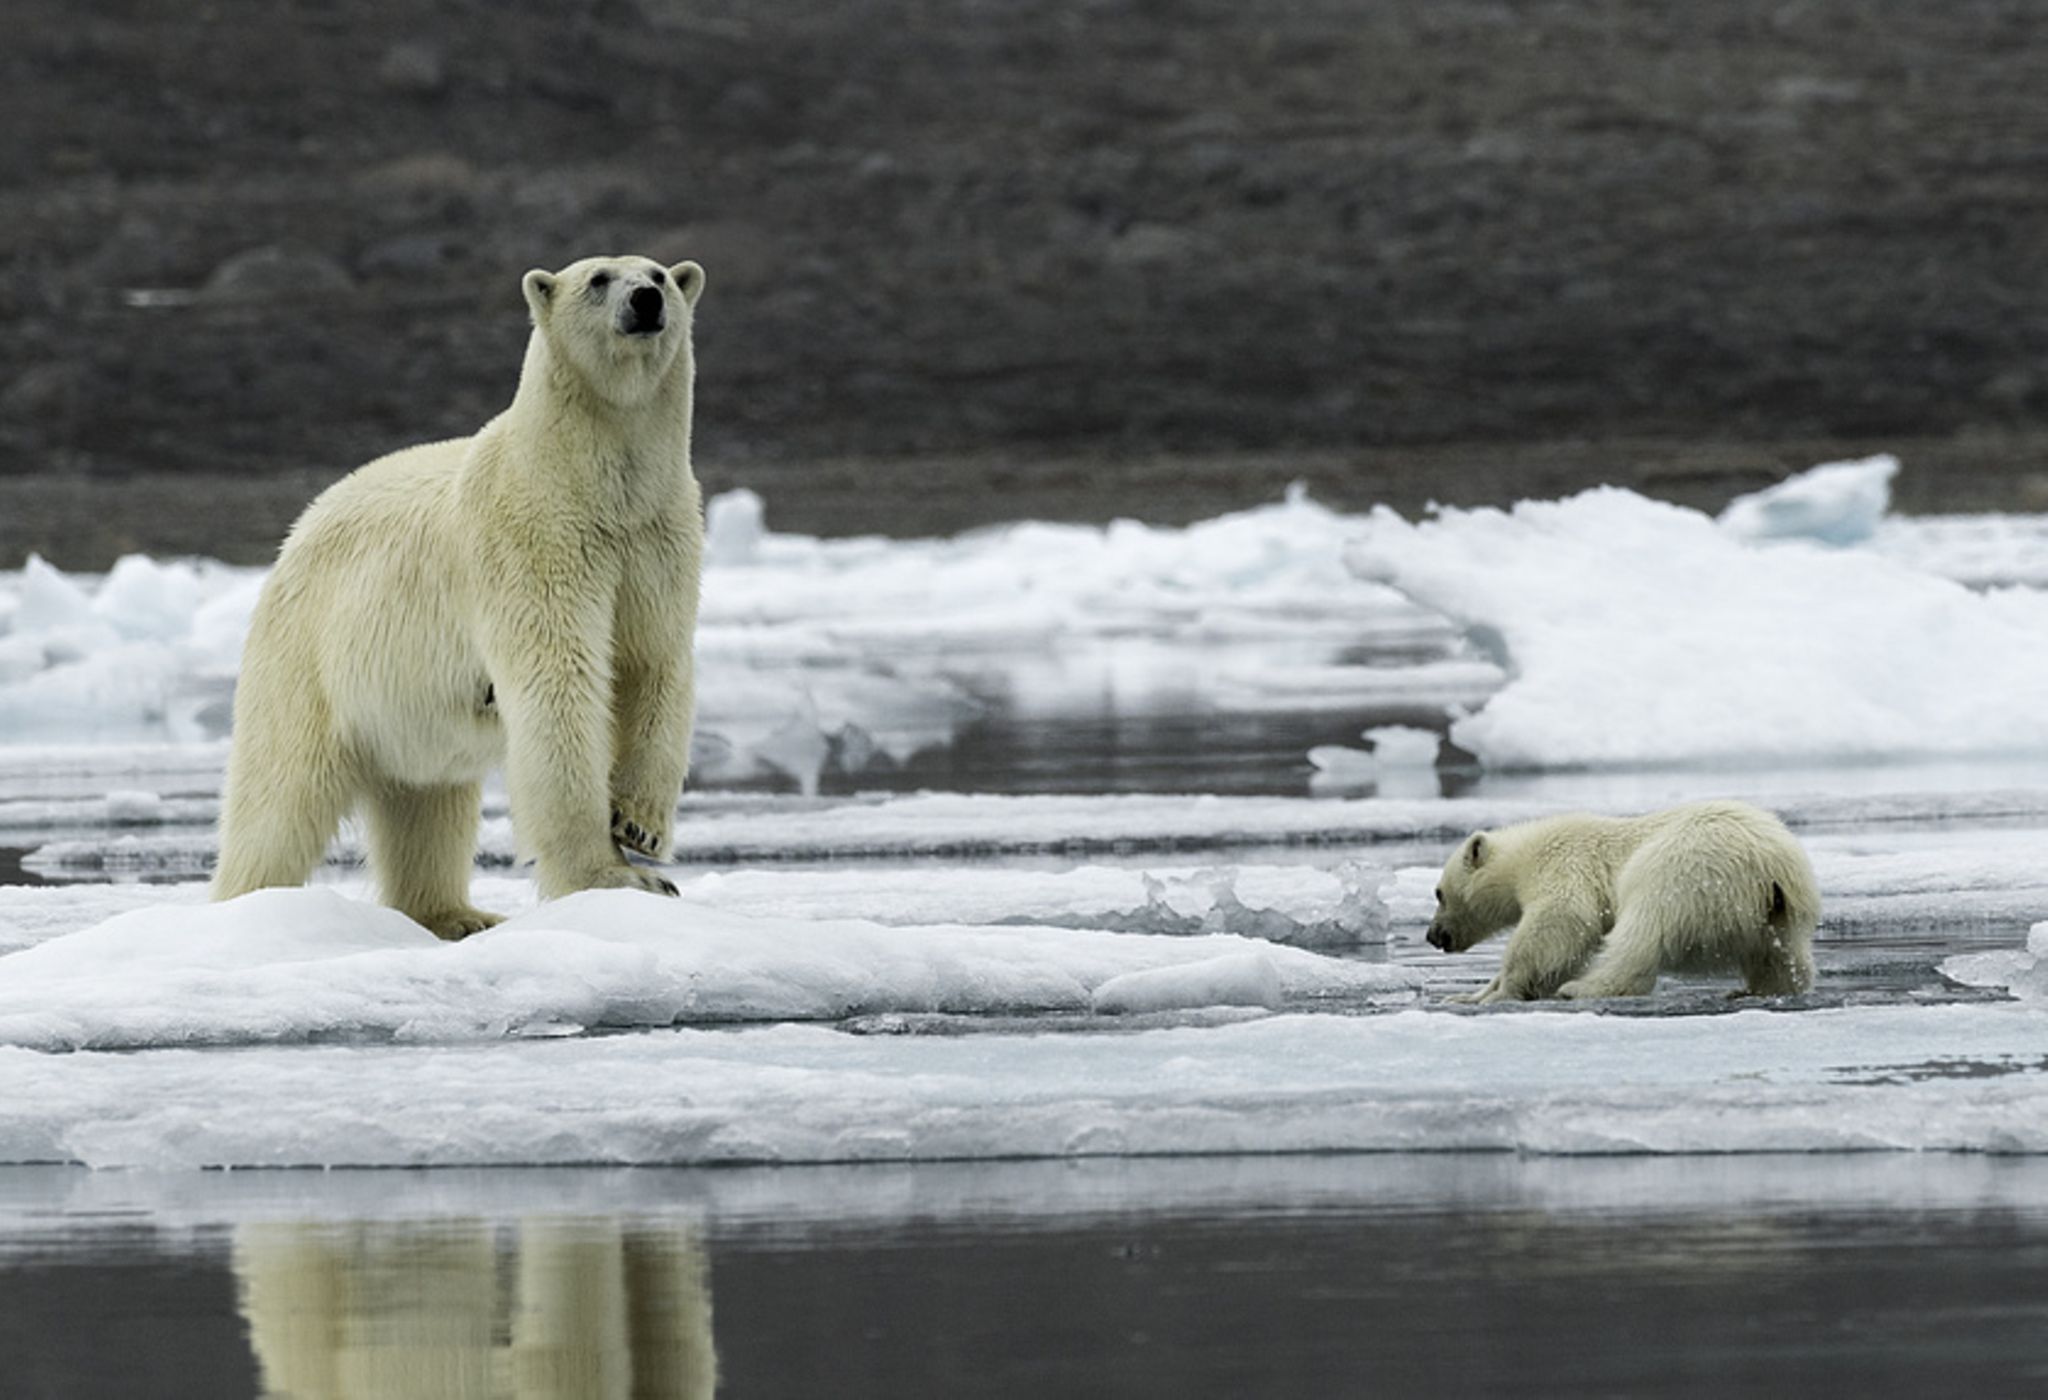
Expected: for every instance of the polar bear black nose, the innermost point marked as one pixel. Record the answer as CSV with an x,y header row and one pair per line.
x,y
647,310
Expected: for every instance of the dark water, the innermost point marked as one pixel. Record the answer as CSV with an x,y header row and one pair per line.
x,y
1285,1277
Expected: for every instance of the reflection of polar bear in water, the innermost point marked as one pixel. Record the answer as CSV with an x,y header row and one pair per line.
x,y
1601,905
401,1312
526,596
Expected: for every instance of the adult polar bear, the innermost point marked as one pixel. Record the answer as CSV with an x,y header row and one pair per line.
x,y
1601,905
525,596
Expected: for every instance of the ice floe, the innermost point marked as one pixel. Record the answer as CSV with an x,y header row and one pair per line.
x,y
1955,1078
314,965
2023,972
1635,633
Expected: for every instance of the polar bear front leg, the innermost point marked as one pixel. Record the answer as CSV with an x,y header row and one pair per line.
x,y
1548,947
551,667
653,710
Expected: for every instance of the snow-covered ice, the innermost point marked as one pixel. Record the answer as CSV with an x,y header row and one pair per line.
x,y
1637,633
314,965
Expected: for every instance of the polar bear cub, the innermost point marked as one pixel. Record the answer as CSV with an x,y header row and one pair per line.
x,y
1601,905
524,597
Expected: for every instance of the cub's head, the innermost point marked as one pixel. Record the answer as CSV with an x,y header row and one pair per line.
x,y
1475,898
623,324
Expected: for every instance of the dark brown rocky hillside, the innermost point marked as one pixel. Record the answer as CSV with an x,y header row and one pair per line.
x,y
976,258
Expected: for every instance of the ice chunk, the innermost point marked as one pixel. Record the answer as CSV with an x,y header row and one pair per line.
x,y
134,807
1399,746
50,602
2023,973
1239,979
1840,503
798,748
735,523
1349,767
1401,763
142,598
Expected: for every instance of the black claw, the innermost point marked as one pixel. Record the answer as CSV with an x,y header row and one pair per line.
x,y
667,888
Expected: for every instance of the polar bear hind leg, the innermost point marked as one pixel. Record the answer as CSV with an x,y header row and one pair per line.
x,y
281,810
422,842
1782,962
1628,961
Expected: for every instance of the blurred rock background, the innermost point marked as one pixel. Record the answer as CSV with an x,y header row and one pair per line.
x,y
978,259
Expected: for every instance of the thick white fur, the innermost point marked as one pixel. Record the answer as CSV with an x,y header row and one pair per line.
x,y
526,596
1601,905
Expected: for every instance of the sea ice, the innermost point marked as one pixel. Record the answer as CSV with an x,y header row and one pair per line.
x,y
1840,503
311,965
1400,763
1635,632
2023,973
1538,1082
1625,632
1235,979
1301,905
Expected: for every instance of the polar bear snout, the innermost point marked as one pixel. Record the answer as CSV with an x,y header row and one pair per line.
x,y
1437,938
645,312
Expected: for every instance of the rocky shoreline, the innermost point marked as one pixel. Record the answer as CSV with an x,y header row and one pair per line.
x,y
1490,249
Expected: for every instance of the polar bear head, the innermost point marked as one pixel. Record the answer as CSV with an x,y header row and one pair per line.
x,y
620,325
1476,898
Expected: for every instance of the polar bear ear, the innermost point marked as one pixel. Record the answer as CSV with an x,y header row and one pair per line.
x,y
540,291
689,281
1475,851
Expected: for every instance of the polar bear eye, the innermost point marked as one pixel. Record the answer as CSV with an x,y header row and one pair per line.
x,y
600,281
657,277
1439,894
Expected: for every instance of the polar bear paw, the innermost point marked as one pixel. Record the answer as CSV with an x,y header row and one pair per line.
x,y
632,877
646,838
452,925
